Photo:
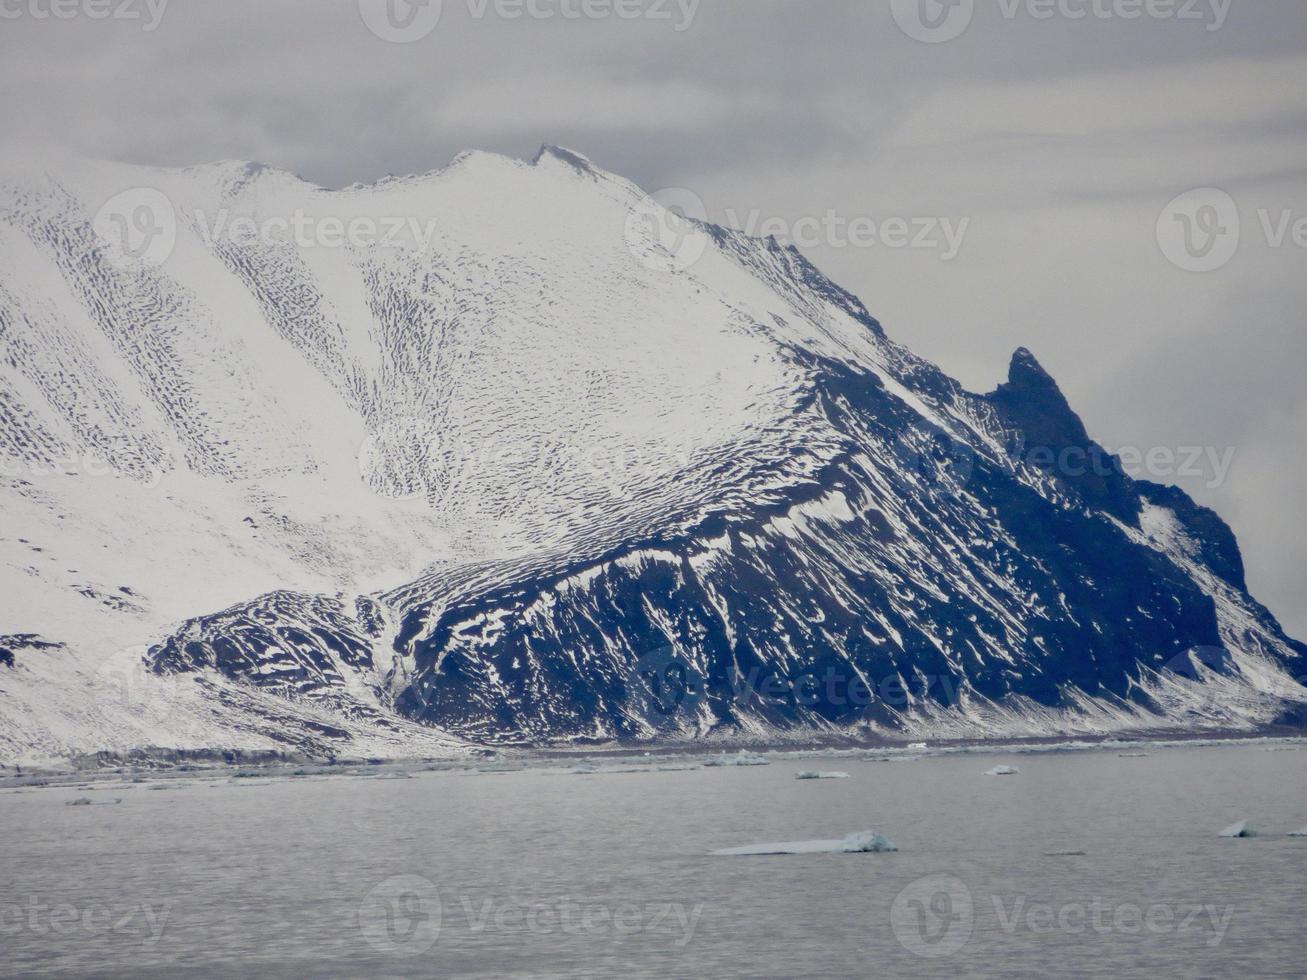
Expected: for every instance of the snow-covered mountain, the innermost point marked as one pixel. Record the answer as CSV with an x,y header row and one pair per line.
x,y
507,452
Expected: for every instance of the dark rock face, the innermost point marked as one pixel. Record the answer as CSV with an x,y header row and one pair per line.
x,y
916,576
951,584
1047,434
13,642
300,647
996,578
1220,550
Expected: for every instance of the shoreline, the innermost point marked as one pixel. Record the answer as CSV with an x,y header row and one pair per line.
x,y
157,763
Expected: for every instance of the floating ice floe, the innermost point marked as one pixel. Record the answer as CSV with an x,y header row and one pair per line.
x,y
916,745
820,774
865,842
1240,829
1003,771
1300,832
588,770
741,759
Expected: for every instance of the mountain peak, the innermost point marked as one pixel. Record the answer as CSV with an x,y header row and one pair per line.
x,y
1031,403
570,157
1026,371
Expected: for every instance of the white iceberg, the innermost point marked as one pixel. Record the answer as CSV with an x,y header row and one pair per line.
x,y
820,774
1240,829
1003,771
1300,832
864,842
916,745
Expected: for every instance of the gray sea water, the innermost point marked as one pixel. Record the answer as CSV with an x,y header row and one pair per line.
x,y
1085,864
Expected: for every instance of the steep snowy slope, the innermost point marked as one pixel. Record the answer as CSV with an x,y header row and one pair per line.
x,y
538,460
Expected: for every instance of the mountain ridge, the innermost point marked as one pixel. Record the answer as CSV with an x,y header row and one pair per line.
x,y
502,487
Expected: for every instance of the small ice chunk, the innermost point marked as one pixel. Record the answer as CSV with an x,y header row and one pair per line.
x,y
1300,832
1240,829
1003,771
863,842
916,745
820,774
867,842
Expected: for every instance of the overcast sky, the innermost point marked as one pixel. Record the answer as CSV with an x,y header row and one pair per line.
x,y
1050,145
